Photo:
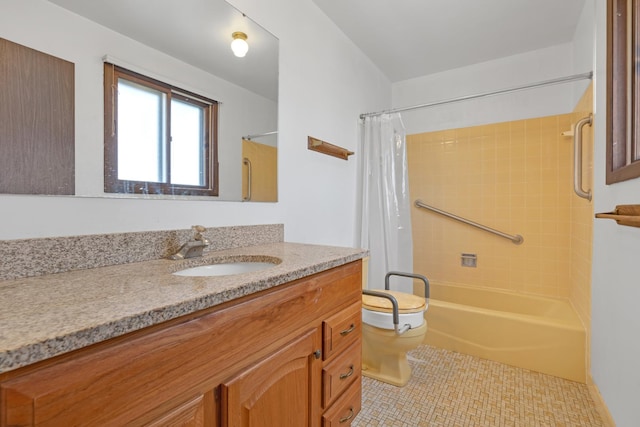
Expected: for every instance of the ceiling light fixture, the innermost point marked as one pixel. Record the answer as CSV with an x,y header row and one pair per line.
x,y
239,45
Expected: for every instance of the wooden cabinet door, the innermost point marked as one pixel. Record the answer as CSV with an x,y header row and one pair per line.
x,y
281,390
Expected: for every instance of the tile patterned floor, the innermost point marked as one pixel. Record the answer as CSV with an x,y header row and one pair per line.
x,y
453,389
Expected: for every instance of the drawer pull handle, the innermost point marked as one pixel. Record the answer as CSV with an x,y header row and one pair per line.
x,y
348,331
348,374
347,418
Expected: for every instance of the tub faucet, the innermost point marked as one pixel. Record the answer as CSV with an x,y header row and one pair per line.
x,y
193,248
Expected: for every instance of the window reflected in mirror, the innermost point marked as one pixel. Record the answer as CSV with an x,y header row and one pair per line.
x,y
159,139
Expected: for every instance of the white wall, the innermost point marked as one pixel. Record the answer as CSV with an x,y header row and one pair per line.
x,y
504,73
325,83
584,40
615,350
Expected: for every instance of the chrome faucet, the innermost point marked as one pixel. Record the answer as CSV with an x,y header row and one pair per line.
x,y
193,248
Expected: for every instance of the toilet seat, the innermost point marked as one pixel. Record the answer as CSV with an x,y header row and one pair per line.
x,y
377,311
407,303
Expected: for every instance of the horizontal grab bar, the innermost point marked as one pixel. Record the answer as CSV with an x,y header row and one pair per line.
x,y
517,239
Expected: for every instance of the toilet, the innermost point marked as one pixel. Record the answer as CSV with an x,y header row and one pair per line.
x,y
385,344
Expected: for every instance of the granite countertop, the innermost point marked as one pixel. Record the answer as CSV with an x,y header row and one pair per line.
x,y
44,316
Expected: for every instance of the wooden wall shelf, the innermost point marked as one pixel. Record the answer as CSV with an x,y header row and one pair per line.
x,y
320,146
624,215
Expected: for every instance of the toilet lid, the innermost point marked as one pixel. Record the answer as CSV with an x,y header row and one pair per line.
x,y
407,303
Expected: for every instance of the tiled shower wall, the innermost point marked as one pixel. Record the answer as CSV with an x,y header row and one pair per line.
x,y
515,177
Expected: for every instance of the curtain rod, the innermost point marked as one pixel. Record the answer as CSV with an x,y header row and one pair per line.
x,y
257,135
556,81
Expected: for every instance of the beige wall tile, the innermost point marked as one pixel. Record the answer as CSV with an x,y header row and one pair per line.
x,y
515,177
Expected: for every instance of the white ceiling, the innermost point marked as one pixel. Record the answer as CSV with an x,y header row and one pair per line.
x,y
404,38
413,38
197,32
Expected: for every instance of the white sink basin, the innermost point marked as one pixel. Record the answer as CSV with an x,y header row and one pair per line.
x,y
225,268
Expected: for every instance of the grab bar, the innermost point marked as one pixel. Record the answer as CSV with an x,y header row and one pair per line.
x,y
247,162
517,239
411,276
577,158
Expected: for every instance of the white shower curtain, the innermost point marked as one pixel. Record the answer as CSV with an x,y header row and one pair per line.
x,y
386,215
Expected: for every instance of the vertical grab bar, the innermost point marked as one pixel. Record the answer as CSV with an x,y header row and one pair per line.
x,y
247,162
577,158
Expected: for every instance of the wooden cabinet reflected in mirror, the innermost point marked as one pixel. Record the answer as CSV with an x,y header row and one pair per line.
x,y
623,90
36,122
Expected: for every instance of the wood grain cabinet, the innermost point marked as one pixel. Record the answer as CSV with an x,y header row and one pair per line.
x,y
287,357
278,391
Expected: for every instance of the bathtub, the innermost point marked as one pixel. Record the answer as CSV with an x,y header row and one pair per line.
x,y
537,333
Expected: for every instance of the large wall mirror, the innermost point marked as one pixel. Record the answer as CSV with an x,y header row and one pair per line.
x,y
185,44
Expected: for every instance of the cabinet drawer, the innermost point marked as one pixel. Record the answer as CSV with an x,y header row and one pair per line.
x,y
342,329
341,373
345,409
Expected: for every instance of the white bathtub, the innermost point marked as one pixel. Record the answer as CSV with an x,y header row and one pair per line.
x,y
536,333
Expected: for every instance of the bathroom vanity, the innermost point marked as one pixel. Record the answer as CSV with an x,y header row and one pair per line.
x,y
280,347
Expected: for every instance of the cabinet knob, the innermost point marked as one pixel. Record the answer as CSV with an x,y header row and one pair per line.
x,y
317,354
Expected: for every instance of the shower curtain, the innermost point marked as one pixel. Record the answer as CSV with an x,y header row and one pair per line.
x,y
385,204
